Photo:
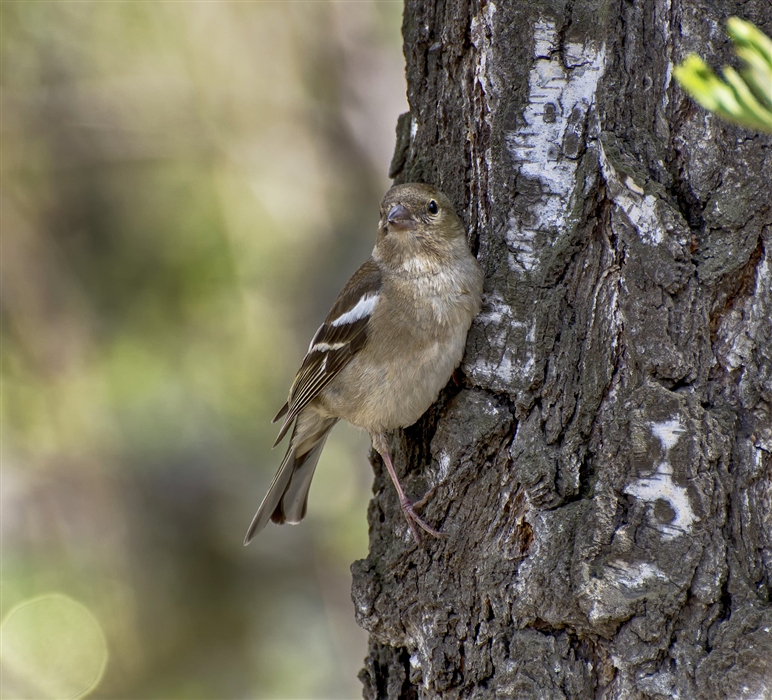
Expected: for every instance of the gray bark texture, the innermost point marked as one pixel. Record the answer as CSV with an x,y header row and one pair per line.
x,y
602,471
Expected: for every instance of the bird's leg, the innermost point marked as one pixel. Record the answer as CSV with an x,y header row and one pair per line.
x,y
408,509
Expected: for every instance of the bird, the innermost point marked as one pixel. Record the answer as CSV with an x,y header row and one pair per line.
x,y
390,343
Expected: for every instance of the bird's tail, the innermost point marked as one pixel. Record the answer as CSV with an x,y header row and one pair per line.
x,y
287,497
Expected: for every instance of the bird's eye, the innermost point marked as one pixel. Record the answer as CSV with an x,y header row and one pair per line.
x,y
432,207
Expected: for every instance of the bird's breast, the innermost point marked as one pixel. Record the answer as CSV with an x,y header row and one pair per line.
x,y
414,343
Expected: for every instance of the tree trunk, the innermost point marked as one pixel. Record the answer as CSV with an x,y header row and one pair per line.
x,y
603,469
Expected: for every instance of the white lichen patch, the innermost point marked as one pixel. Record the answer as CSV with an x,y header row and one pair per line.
x,y
419,637
511,361
522,248
661,487
744,328
668,432
481,31
496,311
561,92
634,575
629,196
483,95
443,466
505,368
620,585
514,365
632,185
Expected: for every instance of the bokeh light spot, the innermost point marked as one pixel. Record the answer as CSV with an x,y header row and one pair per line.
x,y
52,647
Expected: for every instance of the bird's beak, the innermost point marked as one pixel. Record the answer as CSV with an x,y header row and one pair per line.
x,y
400,218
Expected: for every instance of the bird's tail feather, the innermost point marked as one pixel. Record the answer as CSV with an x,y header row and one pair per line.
x,y
295,498
287,496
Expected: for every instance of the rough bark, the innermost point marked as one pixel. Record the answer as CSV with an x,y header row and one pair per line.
x,y
603,472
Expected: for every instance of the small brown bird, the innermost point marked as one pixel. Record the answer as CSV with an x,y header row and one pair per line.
x,y
390,343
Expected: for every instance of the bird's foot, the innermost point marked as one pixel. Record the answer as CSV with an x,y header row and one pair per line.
x,y
408,507
413,518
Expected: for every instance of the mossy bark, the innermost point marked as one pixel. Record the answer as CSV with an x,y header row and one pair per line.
x,y
603,469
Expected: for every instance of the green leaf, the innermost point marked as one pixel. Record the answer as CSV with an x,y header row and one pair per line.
x,y
745,34
751,113
744,98
757,75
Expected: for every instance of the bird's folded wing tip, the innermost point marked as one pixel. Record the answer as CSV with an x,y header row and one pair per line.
x,y
282,412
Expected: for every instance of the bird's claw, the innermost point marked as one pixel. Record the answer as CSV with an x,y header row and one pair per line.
x,y
413,519
425,499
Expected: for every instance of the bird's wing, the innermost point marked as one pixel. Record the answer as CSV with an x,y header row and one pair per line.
x,y
339,338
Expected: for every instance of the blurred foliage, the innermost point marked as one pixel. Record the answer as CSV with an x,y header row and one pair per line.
x,y
744,98
186,186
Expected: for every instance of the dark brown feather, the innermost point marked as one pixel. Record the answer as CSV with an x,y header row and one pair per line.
x,y
320,367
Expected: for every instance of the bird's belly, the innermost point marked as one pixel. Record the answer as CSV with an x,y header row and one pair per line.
x,y
392,394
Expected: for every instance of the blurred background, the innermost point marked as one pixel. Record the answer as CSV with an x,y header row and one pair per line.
x,y
185,188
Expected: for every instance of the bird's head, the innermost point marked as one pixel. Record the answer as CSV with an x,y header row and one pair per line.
x,y
418,230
